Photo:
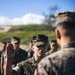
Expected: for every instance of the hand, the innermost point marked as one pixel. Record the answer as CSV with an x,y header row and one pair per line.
x,y
9,51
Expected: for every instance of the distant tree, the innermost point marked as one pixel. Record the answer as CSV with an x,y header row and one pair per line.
x,y
49,18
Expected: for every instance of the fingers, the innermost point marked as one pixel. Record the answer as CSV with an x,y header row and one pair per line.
x,y
9,46
9,51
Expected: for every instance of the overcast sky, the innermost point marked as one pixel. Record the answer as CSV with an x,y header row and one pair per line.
x,y
15,12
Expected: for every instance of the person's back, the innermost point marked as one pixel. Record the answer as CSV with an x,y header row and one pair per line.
x,y
58,63
61,62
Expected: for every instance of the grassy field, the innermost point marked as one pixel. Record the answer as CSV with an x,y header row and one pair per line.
x,y
25,32
26,36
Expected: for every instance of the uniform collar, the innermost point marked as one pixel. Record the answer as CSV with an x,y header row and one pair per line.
x,y
72,44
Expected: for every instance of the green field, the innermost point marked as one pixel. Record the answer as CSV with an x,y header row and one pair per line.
x,y
25,32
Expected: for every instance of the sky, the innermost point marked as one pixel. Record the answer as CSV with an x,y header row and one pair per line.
x,y
16,12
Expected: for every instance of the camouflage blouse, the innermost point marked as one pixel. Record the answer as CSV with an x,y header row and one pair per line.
x,y
28,66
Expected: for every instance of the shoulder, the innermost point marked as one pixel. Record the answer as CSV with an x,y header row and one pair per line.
x,y
25,62
54,62
47,53
58,57
22,51
26,66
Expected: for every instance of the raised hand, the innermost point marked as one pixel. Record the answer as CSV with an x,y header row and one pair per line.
x,y
9,51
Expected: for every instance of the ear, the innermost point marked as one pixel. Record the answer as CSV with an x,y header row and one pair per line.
x,y
58,35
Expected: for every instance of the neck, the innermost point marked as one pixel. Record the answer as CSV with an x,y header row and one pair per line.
x,y
52,50
16,50
65,41
37,58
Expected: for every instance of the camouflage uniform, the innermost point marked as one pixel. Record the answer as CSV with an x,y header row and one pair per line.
x,y
19,56
48,53
0,53
27,67
61,62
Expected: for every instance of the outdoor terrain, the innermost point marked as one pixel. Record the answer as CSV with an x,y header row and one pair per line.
x,y
4,28
25,32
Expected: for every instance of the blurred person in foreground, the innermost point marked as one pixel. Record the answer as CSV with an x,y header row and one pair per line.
x,y
61,62
53,47
27,67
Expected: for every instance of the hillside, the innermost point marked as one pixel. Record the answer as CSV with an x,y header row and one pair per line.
x,y
26,32
4,28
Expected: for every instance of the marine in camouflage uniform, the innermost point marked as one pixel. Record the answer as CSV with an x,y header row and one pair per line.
x,y
20,54
27,67
61,62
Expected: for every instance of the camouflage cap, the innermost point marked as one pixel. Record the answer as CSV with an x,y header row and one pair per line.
x,y
40,40
65,17
15,39
53,42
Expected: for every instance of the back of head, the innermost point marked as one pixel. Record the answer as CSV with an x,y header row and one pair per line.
x,y
66,22
67,16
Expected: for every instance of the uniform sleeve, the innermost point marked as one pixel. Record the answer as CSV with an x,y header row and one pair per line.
x,y
26,67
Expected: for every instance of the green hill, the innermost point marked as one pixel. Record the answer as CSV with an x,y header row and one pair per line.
x,y
33,27
25,32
